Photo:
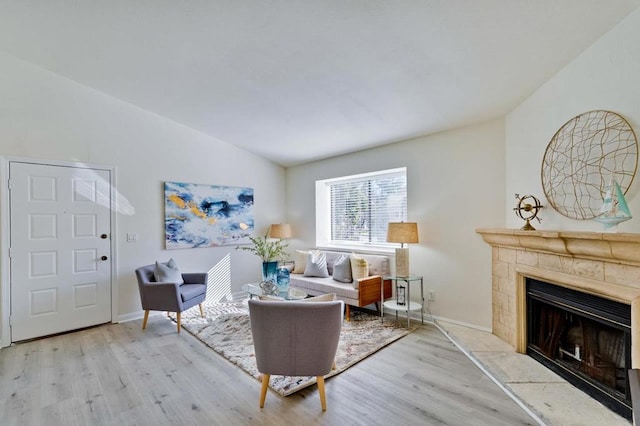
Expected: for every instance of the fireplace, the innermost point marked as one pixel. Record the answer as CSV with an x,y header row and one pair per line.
x,y
603,265
584,338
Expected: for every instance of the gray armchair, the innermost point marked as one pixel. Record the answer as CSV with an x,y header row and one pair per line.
x,y
295,339
170,297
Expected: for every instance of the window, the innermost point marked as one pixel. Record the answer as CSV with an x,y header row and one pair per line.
x,y
353,211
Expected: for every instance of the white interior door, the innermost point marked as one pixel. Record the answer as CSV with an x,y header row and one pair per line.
x,y
60,248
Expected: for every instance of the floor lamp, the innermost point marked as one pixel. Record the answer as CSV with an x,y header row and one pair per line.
x,y
403,233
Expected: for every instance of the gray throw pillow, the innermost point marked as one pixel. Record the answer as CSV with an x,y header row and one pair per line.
x,y
342,270
316,265
167,272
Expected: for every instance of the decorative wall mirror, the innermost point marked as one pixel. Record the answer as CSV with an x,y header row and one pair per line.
x,y
580,159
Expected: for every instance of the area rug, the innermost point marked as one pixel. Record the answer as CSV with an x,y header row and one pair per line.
x,y
227,330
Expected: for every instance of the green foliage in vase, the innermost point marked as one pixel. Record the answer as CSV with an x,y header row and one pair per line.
x,y
267,249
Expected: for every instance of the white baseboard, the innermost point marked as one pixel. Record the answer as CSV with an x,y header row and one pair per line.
x,y
428,317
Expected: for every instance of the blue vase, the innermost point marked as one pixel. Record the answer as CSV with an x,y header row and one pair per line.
x,y
283,281
270,271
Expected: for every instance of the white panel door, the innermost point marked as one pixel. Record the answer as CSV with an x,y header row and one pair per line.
x,y
60,248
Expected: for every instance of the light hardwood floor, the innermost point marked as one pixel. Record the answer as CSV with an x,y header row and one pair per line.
x,y
118,374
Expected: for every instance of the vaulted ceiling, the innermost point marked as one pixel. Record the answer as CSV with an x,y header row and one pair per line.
x,y
295,81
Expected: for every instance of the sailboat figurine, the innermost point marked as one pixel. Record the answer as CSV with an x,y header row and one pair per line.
x,y
614,208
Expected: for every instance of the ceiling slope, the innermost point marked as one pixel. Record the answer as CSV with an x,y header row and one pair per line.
x,y
297,81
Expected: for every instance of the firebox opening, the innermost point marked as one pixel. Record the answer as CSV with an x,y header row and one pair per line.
x,y
584,338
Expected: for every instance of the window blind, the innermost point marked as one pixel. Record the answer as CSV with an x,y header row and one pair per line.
x,y
362,206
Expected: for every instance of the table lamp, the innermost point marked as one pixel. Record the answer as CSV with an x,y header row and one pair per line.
x,y
403,233
280,230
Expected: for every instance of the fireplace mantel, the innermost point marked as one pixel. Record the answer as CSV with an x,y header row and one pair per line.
x,y
604,264
608,247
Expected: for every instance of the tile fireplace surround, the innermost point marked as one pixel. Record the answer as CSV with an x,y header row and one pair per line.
x,y
603,264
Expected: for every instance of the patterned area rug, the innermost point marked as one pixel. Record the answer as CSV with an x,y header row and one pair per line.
x,y
227,330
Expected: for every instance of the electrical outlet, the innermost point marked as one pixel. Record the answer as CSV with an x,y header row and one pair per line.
x,y
432,295
132,237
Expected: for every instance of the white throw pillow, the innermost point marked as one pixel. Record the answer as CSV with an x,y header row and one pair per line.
x,y
359,267
167,272
316,265
300,261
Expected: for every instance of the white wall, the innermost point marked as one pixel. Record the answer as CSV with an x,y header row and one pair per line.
x,y
455,185
606,76
52,118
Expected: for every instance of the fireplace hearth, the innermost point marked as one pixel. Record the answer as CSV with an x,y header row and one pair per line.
x,y
604,265
584,338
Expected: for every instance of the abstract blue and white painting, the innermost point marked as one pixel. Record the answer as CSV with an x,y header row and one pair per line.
x,y
207,215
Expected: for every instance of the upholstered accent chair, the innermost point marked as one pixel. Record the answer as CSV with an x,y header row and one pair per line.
x,y
295,339
170,296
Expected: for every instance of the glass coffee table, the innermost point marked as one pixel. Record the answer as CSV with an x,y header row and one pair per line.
x,y
254,290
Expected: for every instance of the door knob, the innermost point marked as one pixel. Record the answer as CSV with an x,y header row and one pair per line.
x,y
104,236
104,258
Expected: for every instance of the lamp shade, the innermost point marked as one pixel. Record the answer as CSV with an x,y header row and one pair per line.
x,y
402,232
280,230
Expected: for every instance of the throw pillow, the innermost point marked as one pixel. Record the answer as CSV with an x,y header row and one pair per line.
x,y
359,267
167,272
316,265
300,261
342,270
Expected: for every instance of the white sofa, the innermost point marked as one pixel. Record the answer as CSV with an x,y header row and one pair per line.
x,y
361,292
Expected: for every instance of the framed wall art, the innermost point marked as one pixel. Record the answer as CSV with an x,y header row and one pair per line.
x,y
199,215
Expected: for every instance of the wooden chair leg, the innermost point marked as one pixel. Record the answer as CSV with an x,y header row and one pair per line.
x,y
178,316
347,311
323,398
146,317
201,311
265,386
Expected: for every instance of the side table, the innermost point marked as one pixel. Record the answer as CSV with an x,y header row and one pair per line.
x,y
408,305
